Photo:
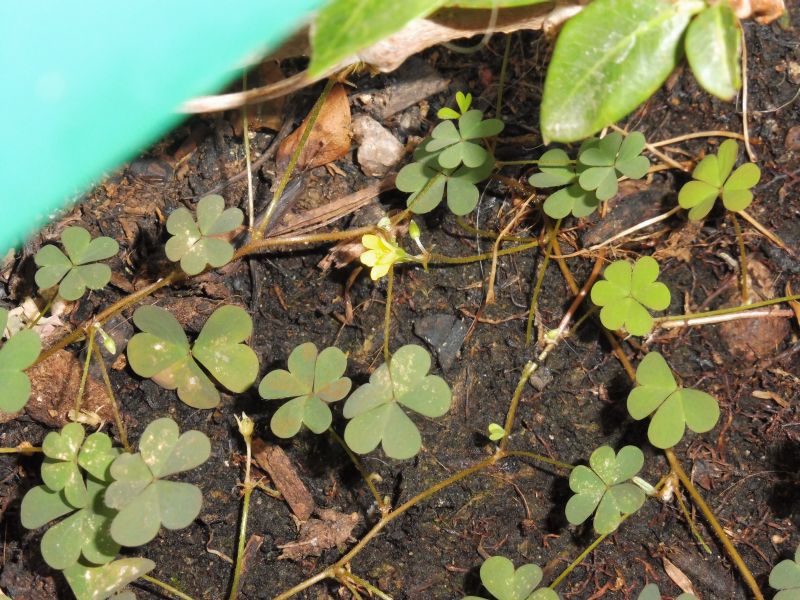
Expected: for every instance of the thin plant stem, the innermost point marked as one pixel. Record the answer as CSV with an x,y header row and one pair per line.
x,y
167,587
637,227
581,557
441,259
21,449
387,319
42,313
345,581
374,591
690,521
256,246
538,286
246,142
85,374
527,371
742,257
696,135
361,469
123,436
248,491
752,314
727,311
730,549
301,144
766,232
503,74
490,297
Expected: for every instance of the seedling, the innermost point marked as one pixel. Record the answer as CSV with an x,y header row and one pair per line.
x,y
713,178
144,498
785,577
464,101
200,243
313,381
78,269
557,170
609,158
19,352
457,144
375,408
673,408
496,432
97,583
85,533
625,293
163,353
503,582
651,592
381,254
605,488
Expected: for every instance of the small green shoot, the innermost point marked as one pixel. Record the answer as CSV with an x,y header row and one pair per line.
x,y
98,583
496,432
785,577
19,352
78,269
464,101
605,488
609,158
457,144
163,353
673,408
144,498
504,582
626,294
651,592
713,178
313,381
375,408
201,243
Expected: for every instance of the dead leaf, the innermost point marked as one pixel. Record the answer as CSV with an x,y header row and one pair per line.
x,y
767,395
331,530
329,139
280,468
678,577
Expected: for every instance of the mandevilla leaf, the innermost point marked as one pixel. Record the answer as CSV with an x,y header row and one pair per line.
x,y
162,353
78,269
375,407
785,576
99,583
313,381
625,293
197,244
713,45
604,488
608,59
672,408
504,582
18,353
713,178
145,500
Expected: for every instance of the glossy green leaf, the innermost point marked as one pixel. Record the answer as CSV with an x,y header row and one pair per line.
x,y
603,488
608,59
145,501
77,270
672,408
193,243
713,46
19,352
343,27
626,291
375,409
99,583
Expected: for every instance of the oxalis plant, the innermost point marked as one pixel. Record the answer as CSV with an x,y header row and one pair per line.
x,y
109,499
17,353
504,582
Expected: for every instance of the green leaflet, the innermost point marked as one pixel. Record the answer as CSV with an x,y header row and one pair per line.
x,y
713,46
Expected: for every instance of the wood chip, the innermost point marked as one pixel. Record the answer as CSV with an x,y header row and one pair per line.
x,y
331,530
274,461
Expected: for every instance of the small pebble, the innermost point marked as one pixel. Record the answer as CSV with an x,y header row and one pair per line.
x,y
792,142
378,150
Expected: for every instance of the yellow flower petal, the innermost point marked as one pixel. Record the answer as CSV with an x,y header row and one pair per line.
x,y
371,241
369,258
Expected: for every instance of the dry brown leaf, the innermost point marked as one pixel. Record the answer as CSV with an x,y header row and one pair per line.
x,y
767,395
678,577
274,461
329,139
331,530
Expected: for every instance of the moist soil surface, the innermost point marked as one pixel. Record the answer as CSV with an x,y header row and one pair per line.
x,y
746,467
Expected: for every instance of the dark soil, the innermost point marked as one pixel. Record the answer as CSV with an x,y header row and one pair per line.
x,y
747,467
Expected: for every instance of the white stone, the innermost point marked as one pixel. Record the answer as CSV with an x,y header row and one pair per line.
x,y
378,149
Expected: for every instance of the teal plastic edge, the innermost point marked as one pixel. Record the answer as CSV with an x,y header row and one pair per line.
x,y
89,83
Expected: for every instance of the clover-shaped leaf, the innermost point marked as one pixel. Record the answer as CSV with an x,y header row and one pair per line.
x,y
428,183
18,353
99,583
78,269
626,294
375,407
455,142
651,592
145,500
713,178
506,583
464,101
604,488
557,170
162,353
200,243
785,576
313,381
672,408
609,158
60,469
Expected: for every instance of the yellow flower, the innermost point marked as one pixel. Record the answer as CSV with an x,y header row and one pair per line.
x,y
381,254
